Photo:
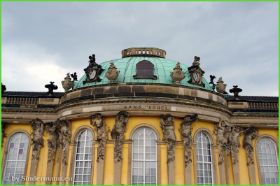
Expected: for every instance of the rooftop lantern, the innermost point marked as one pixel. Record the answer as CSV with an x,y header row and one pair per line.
x,y
146,52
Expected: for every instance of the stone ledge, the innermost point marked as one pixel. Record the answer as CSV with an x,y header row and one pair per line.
x,y
141,91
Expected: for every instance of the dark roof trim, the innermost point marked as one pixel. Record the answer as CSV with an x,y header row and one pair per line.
x,y
32,94
253,98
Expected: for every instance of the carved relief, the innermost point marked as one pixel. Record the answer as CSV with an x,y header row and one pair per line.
x,y
98,122
93,70
196,72
186,133
53,131
177,74
167,126
112,73
117,133
250,135
64,138
37,137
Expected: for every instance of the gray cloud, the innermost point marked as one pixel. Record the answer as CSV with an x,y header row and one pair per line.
x,y
235,40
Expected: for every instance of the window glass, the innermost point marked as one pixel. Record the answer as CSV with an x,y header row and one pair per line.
x,y
145,70
16,159
268,162
204,169
83,158
144,156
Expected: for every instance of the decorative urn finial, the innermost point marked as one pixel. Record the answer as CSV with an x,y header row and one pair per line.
x,y
51,87
177,74
67,84
112,72
221,87
235,90
3,88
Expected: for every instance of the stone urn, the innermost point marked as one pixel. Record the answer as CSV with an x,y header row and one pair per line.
x,y
112,72
67,84
220,86
177,74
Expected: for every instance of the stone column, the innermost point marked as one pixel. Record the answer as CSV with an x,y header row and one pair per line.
x,y
222,170
37,143
167,126
117,135
97,121
129,142
52,146
235,168
250,135
186,133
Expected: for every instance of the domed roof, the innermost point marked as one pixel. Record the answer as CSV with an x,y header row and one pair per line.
x,y
127,70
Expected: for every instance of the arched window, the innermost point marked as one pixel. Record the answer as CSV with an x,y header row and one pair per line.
x,y
145,70
144,156
204,167
83,158
15,162
267,155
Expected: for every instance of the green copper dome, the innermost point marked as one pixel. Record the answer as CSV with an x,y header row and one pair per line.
x,y
127,71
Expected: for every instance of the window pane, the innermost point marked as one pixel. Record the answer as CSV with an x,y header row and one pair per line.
x,y
267,155
144,69
204,170
16,158
83,158
144,157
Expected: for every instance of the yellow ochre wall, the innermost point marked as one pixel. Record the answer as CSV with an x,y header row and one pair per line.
x,y
133,123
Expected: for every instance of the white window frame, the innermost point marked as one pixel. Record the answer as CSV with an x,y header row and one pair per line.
x,y
268,147
7,159
90,141
144,161
203,161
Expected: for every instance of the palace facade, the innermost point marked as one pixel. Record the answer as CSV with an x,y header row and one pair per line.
x,y
141,119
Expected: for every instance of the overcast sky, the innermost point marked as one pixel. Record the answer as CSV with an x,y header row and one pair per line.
x,y
44,41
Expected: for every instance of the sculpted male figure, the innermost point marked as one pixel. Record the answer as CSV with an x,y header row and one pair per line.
x,y
98,122
167,125
118,134
186,133
37,137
